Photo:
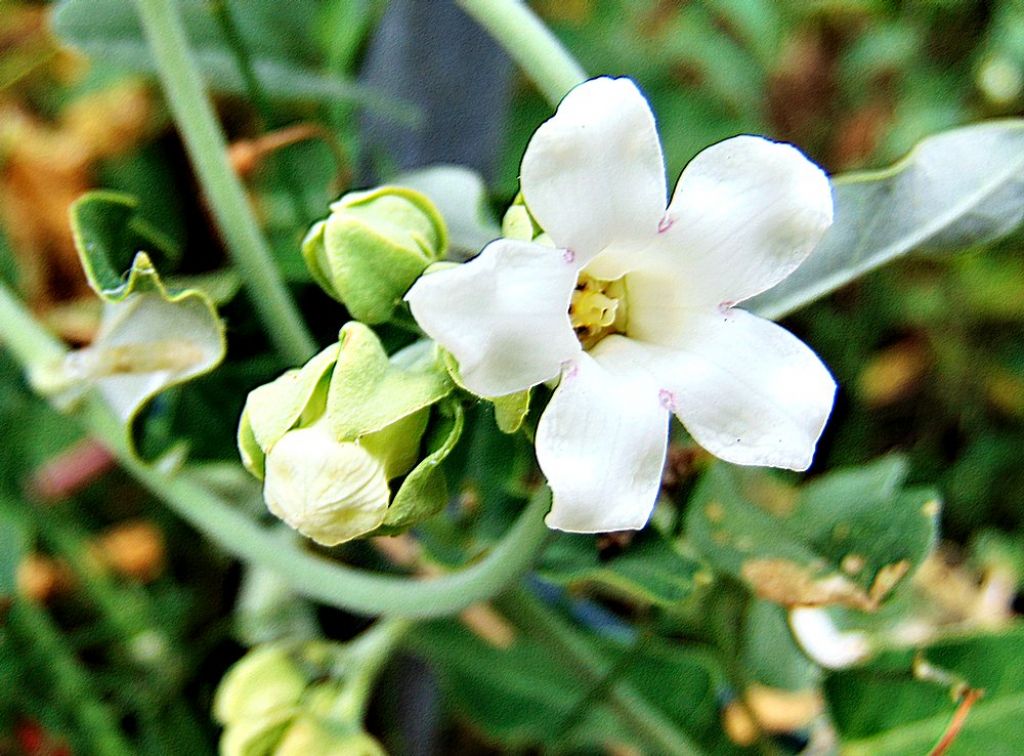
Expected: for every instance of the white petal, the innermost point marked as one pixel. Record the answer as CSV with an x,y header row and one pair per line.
x,y
504,315
593,174
601,443
328,490
746,389
825,643
746,212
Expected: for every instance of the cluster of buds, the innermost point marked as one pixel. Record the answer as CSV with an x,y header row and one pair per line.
x,y
276,701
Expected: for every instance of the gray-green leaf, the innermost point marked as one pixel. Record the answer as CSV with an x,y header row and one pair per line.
x,y
955,190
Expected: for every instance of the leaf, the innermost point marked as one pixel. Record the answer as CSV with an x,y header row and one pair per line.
x,y
424,492
368,392
847,539
524,694
649,569
150,338
955,190
109,30
14,546
108,233
883,710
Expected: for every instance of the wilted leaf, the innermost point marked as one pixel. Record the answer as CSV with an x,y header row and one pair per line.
x,y
849,539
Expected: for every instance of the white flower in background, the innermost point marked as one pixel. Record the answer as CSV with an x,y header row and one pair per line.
x,y
634,307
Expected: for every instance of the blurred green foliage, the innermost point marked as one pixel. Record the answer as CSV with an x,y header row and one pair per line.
x,y
929,355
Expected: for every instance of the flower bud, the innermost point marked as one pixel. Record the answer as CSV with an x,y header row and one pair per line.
x,y
328,437
263,681
372,247
329,490
312,736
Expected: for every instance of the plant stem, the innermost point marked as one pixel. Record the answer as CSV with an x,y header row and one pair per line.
x,y
370,651
529,43
311,576
658,733
207,149
225,18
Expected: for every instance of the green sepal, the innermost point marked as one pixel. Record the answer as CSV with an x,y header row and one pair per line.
x,y
424,492
274,408
253,457
511,410
368,392
372,248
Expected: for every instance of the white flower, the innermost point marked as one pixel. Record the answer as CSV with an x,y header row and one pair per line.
x,y
634,308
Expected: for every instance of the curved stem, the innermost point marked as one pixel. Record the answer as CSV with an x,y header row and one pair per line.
x,y
207,149
529,43
316,578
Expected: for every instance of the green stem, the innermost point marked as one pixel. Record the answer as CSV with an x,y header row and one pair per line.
x,y
225,17
70,681
370,651
207,150
530,44
658,733
309,575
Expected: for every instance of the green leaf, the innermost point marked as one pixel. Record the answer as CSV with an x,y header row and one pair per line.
x,y
109,30
424,492
883,710
511,410
108,233
955,190
649,569
847,538
368,392
524,694
14,545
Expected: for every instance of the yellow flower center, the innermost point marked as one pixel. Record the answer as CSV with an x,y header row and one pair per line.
x,y
598,309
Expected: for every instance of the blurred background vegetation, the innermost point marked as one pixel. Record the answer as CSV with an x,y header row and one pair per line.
x,y
119,620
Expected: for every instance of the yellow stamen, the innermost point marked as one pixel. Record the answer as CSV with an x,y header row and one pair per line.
x,y
598,308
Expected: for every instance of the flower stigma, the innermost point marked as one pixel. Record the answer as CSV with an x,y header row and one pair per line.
x,y
597,309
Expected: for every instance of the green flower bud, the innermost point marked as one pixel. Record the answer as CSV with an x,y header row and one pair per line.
x,y
326,439
372,247
264,681
314,736
331,491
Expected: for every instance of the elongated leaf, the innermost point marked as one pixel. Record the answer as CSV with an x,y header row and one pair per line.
x,y
110,31
955,190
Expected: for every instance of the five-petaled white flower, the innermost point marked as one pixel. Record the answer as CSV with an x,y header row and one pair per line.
x,y
634,307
